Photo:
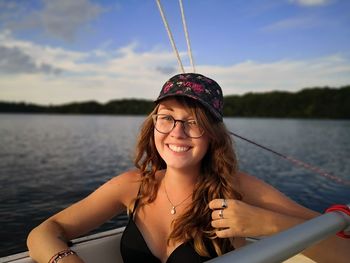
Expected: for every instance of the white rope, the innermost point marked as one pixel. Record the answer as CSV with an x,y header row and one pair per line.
x,y
186,35
170,36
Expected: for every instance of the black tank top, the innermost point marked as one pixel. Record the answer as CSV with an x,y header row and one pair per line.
x,y
134,248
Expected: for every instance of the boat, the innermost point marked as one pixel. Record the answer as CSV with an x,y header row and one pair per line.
x,y
282,247
103,247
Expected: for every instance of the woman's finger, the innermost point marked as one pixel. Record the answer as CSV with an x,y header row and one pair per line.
x,y
219,214
222,223
224,233
219,203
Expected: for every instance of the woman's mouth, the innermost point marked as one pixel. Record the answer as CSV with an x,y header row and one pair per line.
x,y
178,149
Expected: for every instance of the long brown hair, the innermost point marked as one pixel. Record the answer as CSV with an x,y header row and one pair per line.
x,y
218,179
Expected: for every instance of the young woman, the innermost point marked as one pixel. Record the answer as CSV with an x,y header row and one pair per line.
x,y
187,200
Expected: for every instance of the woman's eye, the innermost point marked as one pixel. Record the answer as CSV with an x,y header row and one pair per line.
x,y
192,122
166,118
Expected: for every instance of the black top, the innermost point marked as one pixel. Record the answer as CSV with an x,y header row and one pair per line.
x,y
134,248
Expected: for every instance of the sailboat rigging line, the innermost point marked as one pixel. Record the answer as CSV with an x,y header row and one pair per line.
x,y
288,158
297,162
189,50
170,36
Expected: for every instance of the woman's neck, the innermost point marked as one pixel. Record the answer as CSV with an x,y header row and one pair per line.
x,y
182,180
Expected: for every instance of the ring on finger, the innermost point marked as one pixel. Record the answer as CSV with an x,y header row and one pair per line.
x,y
221,213
224,203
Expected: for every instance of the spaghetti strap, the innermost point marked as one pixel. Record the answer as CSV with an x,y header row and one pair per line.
x,y
136,203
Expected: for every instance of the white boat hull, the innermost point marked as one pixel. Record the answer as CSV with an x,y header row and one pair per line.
x,y
102,247
105,247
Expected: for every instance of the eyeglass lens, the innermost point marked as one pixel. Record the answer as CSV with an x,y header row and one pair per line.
x,y
166,123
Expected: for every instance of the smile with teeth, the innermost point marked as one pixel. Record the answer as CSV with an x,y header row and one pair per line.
x,y
178,149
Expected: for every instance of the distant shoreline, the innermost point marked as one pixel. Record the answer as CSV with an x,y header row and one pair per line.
x,y
320,103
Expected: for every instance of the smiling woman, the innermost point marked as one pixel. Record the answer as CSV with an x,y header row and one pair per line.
x,y
186,200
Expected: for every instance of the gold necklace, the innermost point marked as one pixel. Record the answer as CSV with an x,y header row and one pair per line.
x,y
173,208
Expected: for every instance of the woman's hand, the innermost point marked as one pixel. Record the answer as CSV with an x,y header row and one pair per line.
x,y
234,218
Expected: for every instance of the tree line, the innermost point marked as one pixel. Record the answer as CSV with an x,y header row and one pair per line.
x,y
318,102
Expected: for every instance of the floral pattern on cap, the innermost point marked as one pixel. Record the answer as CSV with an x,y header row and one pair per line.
x,y
198,87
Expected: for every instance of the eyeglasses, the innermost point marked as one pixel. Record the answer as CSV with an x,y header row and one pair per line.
x,y
166,123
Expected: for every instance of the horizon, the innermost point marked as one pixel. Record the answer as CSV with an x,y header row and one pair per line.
x,y
62,51
145,99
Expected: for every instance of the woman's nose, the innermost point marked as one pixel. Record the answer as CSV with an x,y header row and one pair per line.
x,y
178,130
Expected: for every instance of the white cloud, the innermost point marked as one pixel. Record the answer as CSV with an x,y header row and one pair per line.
x,y
98,74
311,2
14,61
62,19
287,75
293,23
124,73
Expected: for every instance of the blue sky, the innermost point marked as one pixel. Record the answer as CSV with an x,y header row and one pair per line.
x,y
59,51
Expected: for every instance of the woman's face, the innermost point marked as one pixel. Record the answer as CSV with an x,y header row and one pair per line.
x,y
177,149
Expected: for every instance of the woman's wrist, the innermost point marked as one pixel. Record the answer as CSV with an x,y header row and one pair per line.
x,y
71,259
61,255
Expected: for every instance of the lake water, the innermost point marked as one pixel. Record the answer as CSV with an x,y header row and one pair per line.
x,y
47,162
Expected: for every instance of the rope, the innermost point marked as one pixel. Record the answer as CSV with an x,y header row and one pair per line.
x,y
186,35
288,158
345,209
170,36
298,162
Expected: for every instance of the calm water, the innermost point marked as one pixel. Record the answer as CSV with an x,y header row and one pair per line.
x,y
50,161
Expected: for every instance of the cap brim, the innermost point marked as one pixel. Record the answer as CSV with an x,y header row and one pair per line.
x,y
203,103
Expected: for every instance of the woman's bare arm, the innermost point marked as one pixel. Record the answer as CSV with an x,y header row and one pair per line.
x,y
286,213
110,199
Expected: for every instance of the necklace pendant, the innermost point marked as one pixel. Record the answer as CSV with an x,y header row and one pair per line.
x,y
173,211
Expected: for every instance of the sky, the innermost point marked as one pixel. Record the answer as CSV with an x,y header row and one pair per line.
x,y
60,51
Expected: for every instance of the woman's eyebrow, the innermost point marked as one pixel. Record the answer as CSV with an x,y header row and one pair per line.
x,y
165,108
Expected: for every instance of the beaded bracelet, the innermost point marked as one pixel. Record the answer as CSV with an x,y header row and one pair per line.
x,y
64,253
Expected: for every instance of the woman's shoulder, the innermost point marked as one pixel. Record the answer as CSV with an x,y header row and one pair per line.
x,y
256,191
123,187
259,193
132,177
247,181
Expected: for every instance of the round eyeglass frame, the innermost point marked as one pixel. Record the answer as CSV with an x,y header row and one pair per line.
x,y
154,117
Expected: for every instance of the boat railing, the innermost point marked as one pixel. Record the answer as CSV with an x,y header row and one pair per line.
x,y
279,247
103,247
